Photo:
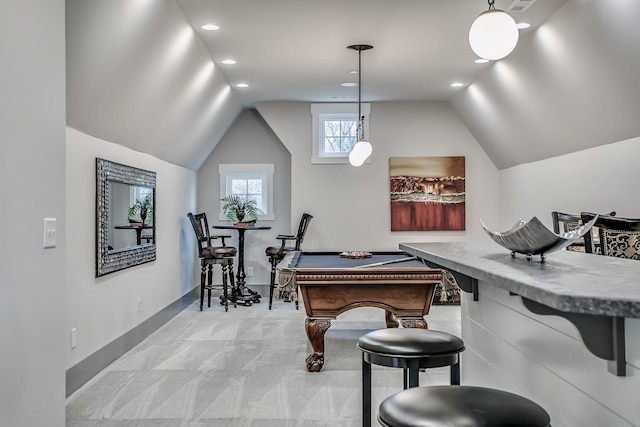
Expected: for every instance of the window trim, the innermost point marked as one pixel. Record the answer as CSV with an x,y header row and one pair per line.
x,y
265,169
334,109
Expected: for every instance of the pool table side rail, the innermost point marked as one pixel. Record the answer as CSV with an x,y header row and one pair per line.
x,y
406,290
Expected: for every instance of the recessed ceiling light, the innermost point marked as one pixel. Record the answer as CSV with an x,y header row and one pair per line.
x,y
354,71
522,25
210,27
242,85
229,62
349,84
457,84
481,61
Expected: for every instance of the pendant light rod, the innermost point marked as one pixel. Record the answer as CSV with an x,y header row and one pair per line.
x,y
362,149
360,48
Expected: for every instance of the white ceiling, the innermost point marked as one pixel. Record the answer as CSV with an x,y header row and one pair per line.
x,y
296,50
140,73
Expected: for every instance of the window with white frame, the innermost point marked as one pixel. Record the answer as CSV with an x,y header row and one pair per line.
x,y
335,131
248,181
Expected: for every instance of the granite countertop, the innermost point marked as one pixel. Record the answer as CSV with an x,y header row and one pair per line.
x,y
568,281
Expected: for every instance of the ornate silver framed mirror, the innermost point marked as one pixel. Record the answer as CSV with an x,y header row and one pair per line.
x,y
125,216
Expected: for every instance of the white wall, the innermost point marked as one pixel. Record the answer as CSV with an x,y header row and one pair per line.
x,y
102,309
32,164
599,179
348,203
250,140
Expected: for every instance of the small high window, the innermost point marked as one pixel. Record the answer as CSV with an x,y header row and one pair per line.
x,y
335,131
249,181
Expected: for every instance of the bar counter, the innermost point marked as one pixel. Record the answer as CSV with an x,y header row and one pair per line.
x,y
568,281
564,332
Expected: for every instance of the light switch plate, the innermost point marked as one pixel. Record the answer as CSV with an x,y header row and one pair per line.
x,y
49,233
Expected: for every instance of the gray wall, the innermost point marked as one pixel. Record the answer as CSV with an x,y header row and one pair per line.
x,y
571,84
599,179
250,140
32,187
139,75
141,90
157,284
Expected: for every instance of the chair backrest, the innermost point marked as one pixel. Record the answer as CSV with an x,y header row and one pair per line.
x,y
563,222
302,229
201,228
619,237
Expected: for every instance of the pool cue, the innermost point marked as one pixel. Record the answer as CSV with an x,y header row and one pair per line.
x,y
393,261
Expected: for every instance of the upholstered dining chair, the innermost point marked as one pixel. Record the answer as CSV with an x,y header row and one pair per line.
x,y
277,253
209,256
619,237
565,222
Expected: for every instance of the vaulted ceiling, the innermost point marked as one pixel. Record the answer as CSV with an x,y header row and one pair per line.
x,y
144,73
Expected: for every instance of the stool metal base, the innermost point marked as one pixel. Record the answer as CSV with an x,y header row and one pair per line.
x,y
411,368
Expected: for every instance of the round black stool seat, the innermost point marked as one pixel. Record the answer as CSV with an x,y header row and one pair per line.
x,y
411,349
460,406
409,342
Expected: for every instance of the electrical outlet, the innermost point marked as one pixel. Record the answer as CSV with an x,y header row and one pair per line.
x,y
74,338
139,304
249,271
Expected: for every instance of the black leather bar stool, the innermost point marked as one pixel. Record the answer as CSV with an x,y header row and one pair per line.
x,y
460,406
411,349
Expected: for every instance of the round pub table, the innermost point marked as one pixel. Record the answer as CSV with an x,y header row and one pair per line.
x,y
241,289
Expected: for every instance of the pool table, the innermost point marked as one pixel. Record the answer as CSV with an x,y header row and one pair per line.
x,y
330,285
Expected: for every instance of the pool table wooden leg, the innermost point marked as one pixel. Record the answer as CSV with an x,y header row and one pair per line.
x,y
316,329
390,319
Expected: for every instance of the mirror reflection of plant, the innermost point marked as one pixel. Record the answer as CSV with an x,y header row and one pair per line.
x,y
237,207
143,207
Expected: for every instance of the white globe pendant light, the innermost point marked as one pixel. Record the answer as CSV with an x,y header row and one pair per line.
x,y
494,34
362,149
360,152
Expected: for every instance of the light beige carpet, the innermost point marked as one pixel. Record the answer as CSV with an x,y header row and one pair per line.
x,y
243,368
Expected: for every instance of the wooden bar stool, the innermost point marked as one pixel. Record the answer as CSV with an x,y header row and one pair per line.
x,y
460,406
411,349
277,253
211,255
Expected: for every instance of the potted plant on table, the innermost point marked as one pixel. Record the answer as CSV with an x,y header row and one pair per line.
x,y
237,207
143,207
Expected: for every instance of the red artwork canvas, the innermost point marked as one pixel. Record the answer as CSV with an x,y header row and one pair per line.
x,y
427,193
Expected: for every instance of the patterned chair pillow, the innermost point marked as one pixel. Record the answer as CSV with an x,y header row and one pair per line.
x,y
570,226
621,244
